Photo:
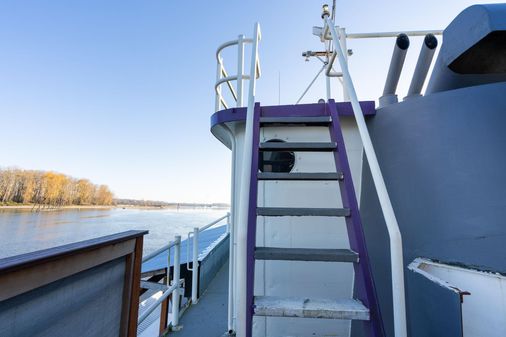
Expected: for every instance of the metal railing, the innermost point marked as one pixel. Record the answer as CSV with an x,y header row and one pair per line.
x,y
241,228
396,253
173,286
195,255
223,77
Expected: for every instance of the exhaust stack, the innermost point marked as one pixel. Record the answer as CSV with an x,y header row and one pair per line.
x,y
394,72
422,66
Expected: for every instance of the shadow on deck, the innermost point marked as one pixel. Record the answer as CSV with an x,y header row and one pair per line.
x,y
208,318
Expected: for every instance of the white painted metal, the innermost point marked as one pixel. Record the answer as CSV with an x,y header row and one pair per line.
x,y
223,77
393,34
240,69
195,267
158,251
396,253
153,286
159,301
311,84
242,223
275,306
176,280
484,303
421,71
211,224
230,313
231,237
175,283
344,46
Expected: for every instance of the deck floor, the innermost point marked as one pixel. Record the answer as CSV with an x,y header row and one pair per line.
x,y
209,316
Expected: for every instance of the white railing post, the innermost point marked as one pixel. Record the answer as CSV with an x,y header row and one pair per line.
x,y
230,275
195,267
219,70
242,223
240,69
176,281
396,254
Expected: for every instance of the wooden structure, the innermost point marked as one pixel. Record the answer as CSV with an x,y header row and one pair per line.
x,y
90,288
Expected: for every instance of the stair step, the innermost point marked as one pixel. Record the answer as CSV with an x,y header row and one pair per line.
x,y
305,254
300,176
274,306
286,211
307,121
297,146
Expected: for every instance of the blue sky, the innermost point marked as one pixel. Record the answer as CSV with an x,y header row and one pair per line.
x,y
121,92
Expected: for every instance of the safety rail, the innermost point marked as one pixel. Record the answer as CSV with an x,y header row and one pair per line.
x,y
223,77
195,255
173,286
241,220
396,253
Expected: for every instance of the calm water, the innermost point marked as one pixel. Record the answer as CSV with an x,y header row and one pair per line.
x,y
24,231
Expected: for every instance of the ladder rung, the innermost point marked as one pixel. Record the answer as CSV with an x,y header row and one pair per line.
x,y
308,147
307,121
305,254
310,308
300,176
285,211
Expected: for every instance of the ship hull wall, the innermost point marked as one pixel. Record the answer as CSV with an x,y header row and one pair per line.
x,y
443,158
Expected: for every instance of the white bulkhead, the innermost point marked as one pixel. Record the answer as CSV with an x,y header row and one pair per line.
x,y
305,279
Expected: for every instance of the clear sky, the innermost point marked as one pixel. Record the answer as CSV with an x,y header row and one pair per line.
x,y
121,92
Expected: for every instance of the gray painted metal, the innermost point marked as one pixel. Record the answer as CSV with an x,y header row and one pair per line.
x,y
306,254
209,316
443,153
306,147
307,121
310,308
442,315
286,211
300,176
469,28
212,263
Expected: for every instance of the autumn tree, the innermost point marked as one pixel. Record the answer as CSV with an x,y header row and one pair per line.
x,y
50,188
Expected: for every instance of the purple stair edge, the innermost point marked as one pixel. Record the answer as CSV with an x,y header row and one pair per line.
x,y
306,110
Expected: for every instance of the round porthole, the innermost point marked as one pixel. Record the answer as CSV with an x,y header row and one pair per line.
x,y
277,161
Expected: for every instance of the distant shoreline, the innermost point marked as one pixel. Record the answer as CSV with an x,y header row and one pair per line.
x,y
91,207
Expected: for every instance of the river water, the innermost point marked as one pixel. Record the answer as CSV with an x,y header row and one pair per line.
x,y
23,231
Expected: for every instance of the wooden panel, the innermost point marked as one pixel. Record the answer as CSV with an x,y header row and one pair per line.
x,y
135,289
23,273
34,276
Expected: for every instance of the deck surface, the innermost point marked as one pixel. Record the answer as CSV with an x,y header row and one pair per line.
x,y
208,318
206,238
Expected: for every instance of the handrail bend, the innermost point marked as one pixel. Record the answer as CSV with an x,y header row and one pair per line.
x,y
396,253
223,77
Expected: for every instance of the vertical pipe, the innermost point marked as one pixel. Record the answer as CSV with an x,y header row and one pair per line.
x,y
242,223
231,276
394,71
240,69
422,66
232,241
344,47
176,279
195,267
217,101
396,253
327,78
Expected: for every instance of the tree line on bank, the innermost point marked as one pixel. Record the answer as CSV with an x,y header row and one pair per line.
x,y
50,189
